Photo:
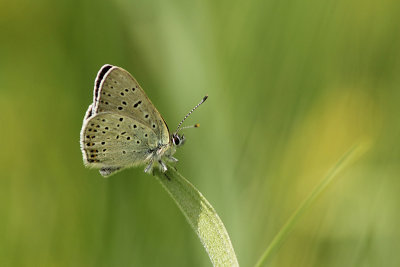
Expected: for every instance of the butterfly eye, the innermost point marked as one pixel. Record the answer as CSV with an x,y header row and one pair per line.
x,y
176,140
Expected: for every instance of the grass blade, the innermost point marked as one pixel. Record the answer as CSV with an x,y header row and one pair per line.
x,y
201,217
288,226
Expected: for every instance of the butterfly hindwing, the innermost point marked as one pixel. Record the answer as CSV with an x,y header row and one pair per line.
x,y
111,140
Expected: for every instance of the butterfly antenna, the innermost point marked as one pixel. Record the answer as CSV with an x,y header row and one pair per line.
x,y
191,126
187,115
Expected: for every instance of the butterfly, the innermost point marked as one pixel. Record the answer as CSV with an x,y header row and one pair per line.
x,y
122,128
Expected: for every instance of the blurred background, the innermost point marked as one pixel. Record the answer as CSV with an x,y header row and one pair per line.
x,y
292,86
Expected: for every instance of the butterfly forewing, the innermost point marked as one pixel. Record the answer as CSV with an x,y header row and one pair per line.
x,y
100,75
118,92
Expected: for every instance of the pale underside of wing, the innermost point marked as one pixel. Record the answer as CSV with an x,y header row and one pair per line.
x,y
118,92
116,141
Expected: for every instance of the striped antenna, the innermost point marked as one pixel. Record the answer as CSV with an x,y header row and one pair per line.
x,y
190,112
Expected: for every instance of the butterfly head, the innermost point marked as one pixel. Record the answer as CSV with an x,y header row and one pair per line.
x,y
178,140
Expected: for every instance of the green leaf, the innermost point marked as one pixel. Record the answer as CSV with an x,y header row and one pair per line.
x,y
343,162
201,217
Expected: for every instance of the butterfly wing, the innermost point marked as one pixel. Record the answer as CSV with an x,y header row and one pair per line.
x,y
118,92
114,141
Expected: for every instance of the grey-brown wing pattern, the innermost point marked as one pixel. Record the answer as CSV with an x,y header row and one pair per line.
x,y
118,92
111,140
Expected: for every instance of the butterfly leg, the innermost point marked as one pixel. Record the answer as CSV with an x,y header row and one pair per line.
x,y
163,166
172,159
149,167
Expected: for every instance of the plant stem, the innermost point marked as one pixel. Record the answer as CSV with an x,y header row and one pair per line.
x,y
201,216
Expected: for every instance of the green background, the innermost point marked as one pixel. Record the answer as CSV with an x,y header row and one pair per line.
x,y
292,85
